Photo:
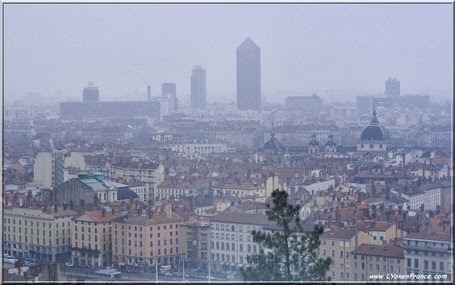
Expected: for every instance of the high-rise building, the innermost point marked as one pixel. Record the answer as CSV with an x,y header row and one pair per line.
x,y
149,93
364,105
249,76
168,89
392,88
91,93
198,91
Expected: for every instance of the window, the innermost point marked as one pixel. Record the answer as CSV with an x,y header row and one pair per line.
x,y
433,265
416,263
408,264
441,266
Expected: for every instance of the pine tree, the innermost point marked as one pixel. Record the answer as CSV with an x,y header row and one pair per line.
x,y
286,253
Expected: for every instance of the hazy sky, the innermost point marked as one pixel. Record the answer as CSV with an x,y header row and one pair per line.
x,y
56,49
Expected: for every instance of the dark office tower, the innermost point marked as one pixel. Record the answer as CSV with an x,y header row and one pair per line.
x,y
392,88
91,93
168,89
248,76
198,95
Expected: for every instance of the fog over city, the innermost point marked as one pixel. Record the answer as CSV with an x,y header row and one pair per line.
x,y
227,142
341,50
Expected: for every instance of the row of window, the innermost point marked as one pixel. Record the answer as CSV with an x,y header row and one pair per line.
x,y
164,227
425,264
140,253
38,224
8,238
341,243
377,267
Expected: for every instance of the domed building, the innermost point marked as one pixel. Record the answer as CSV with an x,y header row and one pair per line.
x,y
330,145
374,138
273,145
313,145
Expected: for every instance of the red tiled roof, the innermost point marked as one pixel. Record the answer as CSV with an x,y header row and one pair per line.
x,y
387,250
440,236
108,217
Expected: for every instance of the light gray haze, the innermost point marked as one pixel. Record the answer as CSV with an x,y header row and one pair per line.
x,y
55,49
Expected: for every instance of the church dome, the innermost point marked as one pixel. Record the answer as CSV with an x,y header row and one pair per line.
x,y
374,132
273,145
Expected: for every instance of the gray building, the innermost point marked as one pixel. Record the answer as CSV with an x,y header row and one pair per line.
x,y
109,110
364,105
249,76
304,106
392,88
198,89
168,89
91,93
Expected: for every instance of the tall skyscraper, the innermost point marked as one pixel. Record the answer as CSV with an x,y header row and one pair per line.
x,y
249,76
169,91
91,93
392,88
198,92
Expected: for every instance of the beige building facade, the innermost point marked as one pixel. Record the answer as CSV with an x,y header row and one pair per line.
x,y
37,233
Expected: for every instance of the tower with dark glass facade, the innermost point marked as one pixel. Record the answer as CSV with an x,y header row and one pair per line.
x,y
198,91
249,76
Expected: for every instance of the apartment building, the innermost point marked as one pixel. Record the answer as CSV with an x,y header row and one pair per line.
x,y
147,239
200,148
338,245
91,237
195,241
166,190
373,259
37,233
381,231
242,189
231,240
51,169
429,253
126,171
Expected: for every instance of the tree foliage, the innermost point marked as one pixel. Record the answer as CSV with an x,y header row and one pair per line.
x,y
286,253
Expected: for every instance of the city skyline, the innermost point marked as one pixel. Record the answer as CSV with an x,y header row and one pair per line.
x,y
330,49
